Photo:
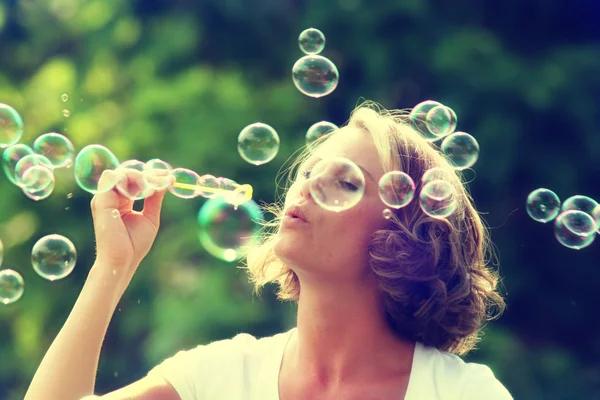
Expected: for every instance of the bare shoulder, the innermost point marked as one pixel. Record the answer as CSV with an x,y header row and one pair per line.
x,y
151,387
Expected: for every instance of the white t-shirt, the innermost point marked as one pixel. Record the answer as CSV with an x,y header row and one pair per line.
x,y
246,368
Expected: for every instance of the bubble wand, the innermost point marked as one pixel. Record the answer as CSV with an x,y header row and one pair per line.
x,y
245,191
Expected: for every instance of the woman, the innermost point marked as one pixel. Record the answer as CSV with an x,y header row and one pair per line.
x,y
385,305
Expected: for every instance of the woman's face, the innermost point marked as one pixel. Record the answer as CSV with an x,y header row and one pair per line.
x,y
333,245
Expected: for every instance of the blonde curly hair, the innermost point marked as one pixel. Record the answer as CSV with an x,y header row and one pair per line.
x,y
433,274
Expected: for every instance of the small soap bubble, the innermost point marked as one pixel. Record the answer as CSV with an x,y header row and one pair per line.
x,y
418,119
53,257
11,157
211,185
258,143
311,41
66,113
115,213
70,196
318,130
28,162
1,252
56,148
42,193
441,121
435,173
36,178
315,76
396,189
575,229
224,232
232,192
438,199
133,184
157,174
11,126
64,97
461,149
580,203
12,286
387,213
336,184
185,177
90,163
543,205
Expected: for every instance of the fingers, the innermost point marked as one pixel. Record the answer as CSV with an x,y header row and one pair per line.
x,y
153,206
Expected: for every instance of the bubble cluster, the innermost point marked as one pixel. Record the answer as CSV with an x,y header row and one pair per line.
x,y
12,286
433,120
575,229
53,257
315,76
461,149
336,184
396,189
258,143
224,231
438,199
543,205
56,148
311,41
90,163
318,130
11,126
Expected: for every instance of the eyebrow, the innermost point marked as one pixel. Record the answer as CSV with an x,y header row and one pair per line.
x,y
367,173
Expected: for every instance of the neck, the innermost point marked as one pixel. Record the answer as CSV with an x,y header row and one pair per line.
x,y
342,334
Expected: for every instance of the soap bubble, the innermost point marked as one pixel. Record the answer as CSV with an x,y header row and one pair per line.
x,y
209,182
258,143
90,163
461,149
38,177
11,157
418,119
53,257
432,174
12,286
11,126
441,121
133,184
66,113
396,189
336,184
157,174
224,231
387,213
64,97
319,129
543,205
42,191
57,148
311,41
580,203
184,176
575,229
315,76
438,199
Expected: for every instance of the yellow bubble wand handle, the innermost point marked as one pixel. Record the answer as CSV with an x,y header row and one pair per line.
x,y
244,190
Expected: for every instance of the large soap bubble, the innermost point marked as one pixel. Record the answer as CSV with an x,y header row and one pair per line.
x,y
575,229
336,184
461,149
318,130
11,126
12,286
543,205
311,41
11,157
258,143
53,257
90,163
56,148
224,231
315,76
396,189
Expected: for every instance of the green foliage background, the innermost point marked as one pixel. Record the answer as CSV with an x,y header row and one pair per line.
x,y
178,80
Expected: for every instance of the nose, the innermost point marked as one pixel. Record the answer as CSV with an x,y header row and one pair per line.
x,y
305,189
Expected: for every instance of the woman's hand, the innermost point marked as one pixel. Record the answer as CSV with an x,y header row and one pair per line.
x,y
123,236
